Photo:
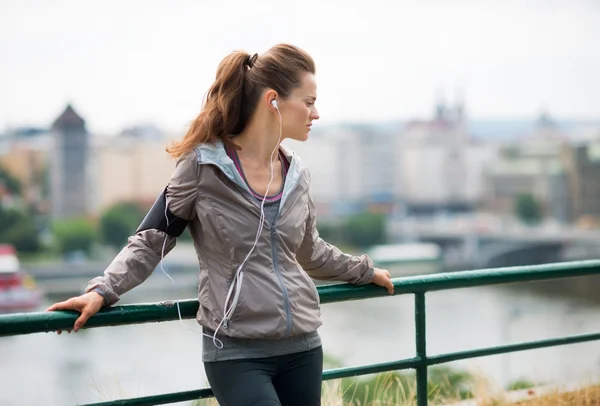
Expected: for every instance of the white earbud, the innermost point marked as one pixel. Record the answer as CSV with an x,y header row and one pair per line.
x,y
232,298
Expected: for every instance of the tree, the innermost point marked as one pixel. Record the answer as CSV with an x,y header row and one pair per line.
x,y
364,230
119,222
76,234
328,232
9,182
18,228
528,209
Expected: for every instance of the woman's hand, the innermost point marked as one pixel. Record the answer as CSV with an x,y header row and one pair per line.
x,y
87,304
382,278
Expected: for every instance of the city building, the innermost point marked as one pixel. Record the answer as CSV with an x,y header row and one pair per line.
x,y
24,155
441,166
353,169
534,166
70,181
129,169
583,168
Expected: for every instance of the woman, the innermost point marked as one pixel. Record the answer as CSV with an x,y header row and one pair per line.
x,y
245,199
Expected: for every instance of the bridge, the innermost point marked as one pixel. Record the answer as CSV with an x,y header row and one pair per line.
x,y
465,244
481,244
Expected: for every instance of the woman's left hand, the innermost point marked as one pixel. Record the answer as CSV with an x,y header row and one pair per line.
x,y
382,278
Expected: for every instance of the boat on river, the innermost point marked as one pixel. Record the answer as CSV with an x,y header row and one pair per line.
x,y
18,290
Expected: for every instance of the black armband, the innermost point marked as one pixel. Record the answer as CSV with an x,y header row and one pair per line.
x,y
160,218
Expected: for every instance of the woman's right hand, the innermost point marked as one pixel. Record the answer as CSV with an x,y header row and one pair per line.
x,y
87,304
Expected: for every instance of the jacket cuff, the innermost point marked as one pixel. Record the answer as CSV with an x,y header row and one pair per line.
x,y
110,297
370,271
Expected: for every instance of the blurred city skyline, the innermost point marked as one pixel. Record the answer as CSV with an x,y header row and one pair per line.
x,y
152,61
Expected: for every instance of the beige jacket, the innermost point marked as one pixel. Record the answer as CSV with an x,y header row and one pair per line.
x,y
278,298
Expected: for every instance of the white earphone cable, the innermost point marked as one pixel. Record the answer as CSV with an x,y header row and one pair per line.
x,y
236,284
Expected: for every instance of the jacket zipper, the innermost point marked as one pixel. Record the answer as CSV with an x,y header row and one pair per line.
x,y
286,299
273,254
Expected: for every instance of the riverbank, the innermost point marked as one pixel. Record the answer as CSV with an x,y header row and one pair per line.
x,y
334,394
449,387
587,396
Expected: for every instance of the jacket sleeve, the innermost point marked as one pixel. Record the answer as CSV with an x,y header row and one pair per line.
x,y
144,250
324,261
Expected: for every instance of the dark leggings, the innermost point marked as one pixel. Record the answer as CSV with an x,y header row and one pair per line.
x,y
285,380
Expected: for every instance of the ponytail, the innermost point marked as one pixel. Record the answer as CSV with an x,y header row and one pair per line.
x,y
233,96
223,104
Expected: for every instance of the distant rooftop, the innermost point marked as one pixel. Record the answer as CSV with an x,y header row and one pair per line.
x,y
69,119
25,132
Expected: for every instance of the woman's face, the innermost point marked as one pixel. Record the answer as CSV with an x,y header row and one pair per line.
x,y
298,110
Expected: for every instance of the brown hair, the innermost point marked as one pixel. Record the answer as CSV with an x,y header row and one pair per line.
x,y
233,96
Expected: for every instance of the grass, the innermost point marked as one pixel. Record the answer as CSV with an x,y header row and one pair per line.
x,y
449,388
586,396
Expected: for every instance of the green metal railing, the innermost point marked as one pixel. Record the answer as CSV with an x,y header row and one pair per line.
x,y
29,323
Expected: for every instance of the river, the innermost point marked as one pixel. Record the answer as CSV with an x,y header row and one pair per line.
x,y
121,362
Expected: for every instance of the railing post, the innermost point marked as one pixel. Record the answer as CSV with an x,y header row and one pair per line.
x,y
420,333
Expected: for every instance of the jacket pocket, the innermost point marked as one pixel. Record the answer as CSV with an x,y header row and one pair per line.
x,y
315,291
310,286
204,289
260,309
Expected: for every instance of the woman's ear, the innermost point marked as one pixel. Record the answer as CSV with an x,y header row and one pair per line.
x,y
269,97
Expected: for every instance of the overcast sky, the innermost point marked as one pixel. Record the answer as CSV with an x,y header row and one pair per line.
x,y
125,62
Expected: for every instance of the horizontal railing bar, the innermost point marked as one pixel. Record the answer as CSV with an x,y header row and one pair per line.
x,y
206,393
503,349
28,323
409,363
338,373
462,279
498,276
163,399
40,322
